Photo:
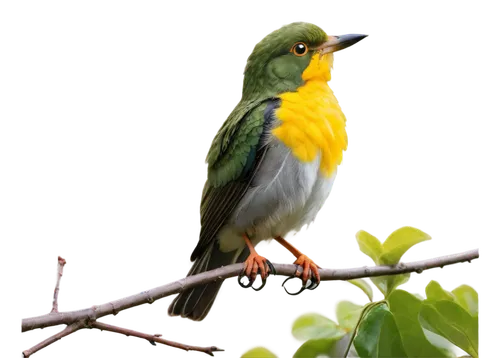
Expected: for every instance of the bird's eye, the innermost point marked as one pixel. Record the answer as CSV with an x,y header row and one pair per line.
x,y
299,49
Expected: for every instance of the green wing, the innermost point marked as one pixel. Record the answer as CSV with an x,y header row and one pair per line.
x,y
233,160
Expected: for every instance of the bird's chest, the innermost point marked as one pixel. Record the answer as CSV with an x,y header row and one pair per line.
x,y
297,173
311,124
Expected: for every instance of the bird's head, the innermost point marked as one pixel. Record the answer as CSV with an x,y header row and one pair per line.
x,y
286,58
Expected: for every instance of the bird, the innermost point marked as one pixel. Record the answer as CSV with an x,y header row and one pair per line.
x,y
272,164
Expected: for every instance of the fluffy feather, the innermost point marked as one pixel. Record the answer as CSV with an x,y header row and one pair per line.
x,y
312,122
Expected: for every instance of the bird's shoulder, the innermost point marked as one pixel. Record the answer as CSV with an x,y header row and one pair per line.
x,y
234,147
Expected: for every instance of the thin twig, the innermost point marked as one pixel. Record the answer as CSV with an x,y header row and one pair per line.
x,y
68,330
222,273
60,266
152,338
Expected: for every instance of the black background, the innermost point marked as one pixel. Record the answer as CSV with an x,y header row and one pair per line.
x,y
116,109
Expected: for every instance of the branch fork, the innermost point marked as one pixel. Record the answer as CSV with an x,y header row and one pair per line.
x,y
90,321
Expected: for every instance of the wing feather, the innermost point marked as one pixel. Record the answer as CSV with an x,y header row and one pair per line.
x,y
243,156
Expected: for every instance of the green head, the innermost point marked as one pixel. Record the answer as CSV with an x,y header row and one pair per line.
x,y
278,62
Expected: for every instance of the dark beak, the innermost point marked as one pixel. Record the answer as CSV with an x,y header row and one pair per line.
x,y
337,43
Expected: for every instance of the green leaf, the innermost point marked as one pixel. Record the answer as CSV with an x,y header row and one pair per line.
x,y
364,286
435,292
259,352
405,308
466,297
378,335
453,322
439,342
348,314
389,253
399,242
318,347
369,245
387,284
314,326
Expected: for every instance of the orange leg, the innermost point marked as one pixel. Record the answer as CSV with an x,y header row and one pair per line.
x,y
255,261
309,268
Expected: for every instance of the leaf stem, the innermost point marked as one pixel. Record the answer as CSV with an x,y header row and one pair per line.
x,y
363,314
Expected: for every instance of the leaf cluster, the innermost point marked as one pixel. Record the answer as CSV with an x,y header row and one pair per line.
x,y
400,325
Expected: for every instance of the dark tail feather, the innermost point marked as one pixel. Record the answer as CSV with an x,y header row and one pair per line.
x,y
195,302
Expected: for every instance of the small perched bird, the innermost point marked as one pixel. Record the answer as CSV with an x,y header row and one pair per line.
x,y
272,164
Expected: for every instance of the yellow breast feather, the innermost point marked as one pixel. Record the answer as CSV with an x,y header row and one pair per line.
x,y
311,121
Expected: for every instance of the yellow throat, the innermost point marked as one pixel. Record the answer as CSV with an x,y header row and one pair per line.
x,y
312,122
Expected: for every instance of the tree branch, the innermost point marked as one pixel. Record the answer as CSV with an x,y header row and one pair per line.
x,y
90,322
95,312
152,338
68,330
60,266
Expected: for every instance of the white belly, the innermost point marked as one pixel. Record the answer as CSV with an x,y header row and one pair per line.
x,y
285,195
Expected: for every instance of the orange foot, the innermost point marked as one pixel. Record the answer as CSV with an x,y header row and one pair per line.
x,y
308,264
255,262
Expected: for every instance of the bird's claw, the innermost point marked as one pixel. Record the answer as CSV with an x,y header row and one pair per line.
x,y
292,293
271,267
260,287
246,282
311,285
271,270
240,282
